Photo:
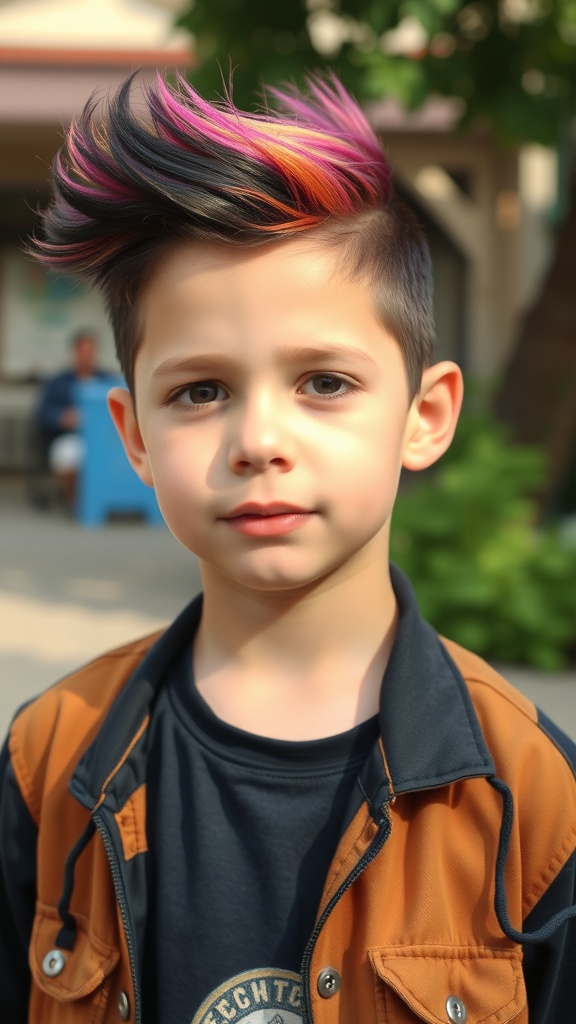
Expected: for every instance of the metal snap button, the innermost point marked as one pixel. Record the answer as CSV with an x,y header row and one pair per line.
x,y
53,963
328,982
124,1006
456,1010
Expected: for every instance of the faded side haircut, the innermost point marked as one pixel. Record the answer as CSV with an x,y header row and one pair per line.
x,y
138,174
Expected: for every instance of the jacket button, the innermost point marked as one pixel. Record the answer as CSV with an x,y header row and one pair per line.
x,y
123,1006
53,963
456,1010
328,982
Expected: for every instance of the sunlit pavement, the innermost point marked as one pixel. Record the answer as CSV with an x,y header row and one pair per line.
x,y
68,593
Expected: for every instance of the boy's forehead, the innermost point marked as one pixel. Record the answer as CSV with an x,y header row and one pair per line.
x,y
295,279
293,295
308,255
213,307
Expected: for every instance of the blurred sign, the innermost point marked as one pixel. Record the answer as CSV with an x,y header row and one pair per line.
x,y
39,313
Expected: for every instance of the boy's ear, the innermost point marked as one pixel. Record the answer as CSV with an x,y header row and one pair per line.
x,y
121,406
433,415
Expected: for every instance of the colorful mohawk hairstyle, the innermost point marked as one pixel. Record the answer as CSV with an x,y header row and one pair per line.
x,y
133,178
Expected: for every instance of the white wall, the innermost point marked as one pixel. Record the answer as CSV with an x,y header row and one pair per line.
x,y
51,24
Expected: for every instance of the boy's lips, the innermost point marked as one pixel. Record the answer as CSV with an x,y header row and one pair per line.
x,y
275,508
272,520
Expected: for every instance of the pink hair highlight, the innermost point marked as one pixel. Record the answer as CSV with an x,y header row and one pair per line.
x,y
325,148
134,179
185,166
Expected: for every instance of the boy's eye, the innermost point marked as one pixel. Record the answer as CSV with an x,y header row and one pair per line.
x,y
327,384
202,393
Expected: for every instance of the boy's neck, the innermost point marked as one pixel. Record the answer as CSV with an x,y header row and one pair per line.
x,y
296,667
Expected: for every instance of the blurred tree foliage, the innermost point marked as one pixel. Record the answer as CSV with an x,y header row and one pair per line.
x,y
511,63
484,575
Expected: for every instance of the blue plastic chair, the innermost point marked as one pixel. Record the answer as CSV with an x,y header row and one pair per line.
x,y
107,483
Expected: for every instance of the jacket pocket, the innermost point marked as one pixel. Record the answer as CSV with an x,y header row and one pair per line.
x,y
440,984
68,985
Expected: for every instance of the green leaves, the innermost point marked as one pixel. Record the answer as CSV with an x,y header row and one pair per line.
x,y
485,574
383,75
258,41
430,13
513,65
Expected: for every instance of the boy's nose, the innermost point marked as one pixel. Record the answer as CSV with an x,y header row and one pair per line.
x,y
261,436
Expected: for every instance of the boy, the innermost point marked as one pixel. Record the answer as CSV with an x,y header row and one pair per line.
x,y
298,804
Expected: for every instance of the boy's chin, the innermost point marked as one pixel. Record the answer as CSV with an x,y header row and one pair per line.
x,y
281,584
290,581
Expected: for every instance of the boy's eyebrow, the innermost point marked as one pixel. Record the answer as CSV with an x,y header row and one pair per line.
x,y
312,353
289,353
191,364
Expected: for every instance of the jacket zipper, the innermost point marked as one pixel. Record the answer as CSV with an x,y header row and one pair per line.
x,y
384,829
122,903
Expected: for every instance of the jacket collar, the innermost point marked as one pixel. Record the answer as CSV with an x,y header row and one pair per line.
x,y
130,710
430,731
431,734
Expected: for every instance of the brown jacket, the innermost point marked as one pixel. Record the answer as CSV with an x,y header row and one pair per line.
x,y
468,829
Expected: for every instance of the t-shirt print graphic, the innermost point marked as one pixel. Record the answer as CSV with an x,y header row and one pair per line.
x,y
261,996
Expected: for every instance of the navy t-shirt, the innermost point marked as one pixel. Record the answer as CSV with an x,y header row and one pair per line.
x,y
241,832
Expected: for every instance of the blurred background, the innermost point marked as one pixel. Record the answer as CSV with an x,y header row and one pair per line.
x,y
475,103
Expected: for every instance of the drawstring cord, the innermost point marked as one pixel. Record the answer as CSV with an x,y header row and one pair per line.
x,y
67,934
500,902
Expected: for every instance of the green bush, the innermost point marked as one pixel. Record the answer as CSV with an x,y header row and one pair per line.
x,y
485,575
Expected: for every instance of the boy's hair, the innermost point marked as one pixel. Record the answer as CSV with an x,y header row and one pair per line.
x,y
133,180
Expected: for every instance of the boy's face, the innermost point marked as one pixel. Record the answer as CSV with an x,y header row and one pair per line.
x,y
273,413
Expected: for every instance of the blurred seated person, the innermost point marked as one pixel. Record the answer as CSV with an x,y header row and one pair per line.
x,y
57,415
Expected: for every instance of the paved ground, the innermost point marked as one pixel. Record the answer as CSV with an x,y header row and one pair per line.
x,y
68,593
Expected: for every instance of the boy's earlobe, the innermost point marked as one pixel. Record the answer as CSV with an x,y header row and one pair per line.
x,y
433,415
121,406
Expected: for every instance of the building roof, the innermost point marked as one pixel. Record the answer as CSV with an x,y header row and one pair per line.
x,y
54,54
